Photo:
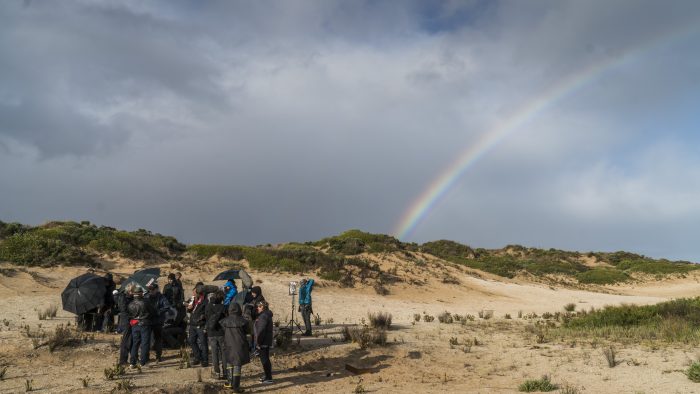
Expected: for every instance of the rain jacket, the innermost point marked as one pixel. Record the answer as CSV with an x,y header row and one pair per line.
x,y
235,344
231,293
305,293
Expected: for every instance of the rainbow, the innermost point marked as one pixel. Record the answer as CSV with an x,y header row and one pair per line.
x,y
568,85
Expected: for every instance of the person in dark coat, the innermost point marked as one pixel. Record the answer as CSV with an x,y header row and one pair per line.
x,y
262,335
162,306
141,314
213,312
175,331
197,328
173,291
124,298
106,324
250,310
236,352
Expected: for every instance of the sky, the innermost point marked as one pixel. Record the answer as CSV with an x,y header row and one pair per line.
x,y
253,122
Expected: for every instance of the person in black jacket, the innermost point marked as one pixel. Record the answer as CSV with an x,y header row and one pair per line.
x,y
141,314
124,298
213,312
236,352
106,324
173,291
162,306
197,328
263,339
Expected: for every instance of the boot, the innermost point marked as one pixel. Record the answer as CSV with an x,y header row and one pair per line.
x,y
229,378
237,384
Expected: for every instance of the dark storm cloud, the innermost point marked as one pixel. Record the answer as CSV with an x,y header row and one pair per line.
x,y
254,122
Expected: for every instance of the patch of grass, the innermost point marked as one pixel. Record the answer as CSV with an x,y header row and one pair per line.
x,y
543,384
124,385
3,372
602,276
206,251
365,336
570,307
610,354
693,372
428,318
671,321
114,372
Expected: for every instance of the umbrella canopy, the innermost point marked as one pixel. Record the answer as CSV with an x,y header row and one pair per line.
x,y
236,274
142,278
84,293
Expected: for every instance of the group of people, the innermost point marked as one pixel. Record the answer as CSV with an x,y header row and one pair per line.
x,y
229,325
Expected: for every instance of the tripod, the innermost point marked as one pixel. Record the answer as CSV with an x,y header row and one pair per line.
x,y
292,323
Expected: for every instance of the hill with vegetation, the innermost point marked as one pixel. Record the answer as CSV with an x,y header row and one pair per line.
x,y
343,258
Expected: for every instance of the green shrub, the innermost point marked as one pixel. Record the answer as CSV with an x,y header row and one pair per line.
x,y
693,372
602,276
447,249
543,384
207,251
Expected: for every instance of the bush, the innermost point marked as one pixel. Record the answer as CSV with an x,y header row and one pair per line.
x,y
693,372
366,336
602,276
380,320
543,384
445,317
428,318
570,307
416,317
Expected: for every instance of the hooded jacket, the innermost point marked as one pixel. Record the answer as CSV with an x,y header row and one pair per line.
x,y
233,290
263,329
235,344
213,313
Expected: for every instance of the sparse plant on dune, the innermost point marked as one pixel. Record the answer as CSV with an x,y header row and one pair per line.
x,y
570,307
445,317
380,320
693,372
610,354
543,384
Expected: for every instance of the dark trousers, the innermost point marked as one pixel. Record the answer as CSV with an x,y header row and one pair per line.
x,y
306,315
264,353
217,354
140,340
157,330
198,342
125,345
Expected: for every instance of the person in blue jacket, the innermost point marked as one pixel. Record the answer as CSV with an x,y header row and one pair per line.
x,y
305,287
230,290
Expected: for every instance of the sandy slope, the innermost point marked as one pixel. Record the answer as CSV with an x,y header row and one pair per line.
x,y
419,358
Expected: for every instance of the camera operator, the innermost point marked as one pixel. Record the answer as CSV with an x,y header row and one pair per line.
x,y
305,287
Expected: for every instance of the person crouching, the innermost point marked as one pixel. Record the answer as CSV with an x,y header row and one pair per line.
x,y
236,353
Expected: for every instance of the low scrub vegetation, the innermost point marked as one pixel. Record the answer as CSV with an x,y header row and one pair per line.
x,y
543,384
671,321
381,320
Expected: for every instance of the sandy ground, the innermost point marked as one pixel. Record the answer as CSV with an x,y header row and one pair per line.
x,y
491,356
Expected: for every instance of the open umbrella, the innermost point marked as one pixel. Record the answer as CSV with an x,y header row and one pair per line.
x,y
236,274
142,278
84,293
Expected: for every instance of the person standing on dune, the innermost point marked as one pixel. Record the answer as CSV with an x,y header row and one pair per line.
x,y
263,339
306,285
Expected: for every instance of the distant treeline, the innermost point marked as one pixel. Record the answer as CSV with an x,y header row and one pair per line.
x,y
338,258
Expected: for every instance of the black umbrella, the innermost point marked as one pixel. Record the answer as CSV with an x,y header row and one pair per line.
x,y
142,278
236,274
84,293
